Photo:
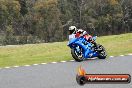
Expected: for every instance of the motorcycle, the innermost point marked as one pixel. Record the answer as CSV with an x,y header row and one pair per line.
x,y
81,49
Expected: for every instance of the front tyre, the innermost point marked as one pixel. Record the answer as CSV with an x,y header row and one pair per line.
x,y
102,52
76,56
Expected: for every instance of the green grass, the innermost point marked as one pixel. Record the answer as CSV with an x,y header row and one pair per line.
x,y
58,51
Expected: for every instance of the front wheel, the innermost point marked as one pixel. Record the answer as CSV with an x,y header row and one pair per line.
x,y
102,52
77,56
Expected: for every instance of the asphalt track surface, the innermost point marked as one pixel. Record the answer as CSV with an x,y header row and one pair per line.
x,y
63,75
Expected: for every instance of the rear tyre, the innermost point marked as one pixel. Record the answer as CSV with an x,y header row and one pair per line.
x,y
77,57
102,52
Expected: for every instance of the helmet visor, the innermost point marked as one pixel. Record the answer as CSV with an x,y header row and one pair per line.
x,y
71,31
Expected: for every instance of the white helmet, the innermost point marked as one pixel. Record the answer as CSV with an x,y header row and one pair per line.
x,y
72,29
80,30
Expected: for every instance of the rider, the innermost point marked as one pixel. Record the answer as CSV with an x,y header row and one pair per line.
x,y
75,33
79,32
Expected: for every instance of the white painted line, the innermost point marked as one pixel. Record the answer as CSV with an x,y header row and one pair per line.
x,y
62,61
35,64
53,62
27,65
92,58
130,54
57,62
43,63
111,56
71,60
7,67
121,55
16,66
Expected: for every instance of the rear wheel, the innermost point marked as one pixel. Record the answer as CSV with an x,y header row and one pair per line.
x,y
102,52
76,55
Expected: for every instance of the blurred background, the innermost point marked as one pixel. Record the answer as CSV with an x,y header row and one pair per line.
x,y
42,21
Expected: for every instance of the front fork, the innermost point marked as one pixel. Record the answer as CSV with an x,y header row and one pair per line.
x,y
79,51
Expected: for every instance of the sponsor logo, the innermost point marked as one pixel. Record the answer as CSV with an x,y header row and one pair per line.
x,y
83,78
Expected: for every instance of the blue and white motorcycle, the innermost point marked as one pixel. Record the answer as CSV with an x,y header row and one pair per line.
x,y
81,49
